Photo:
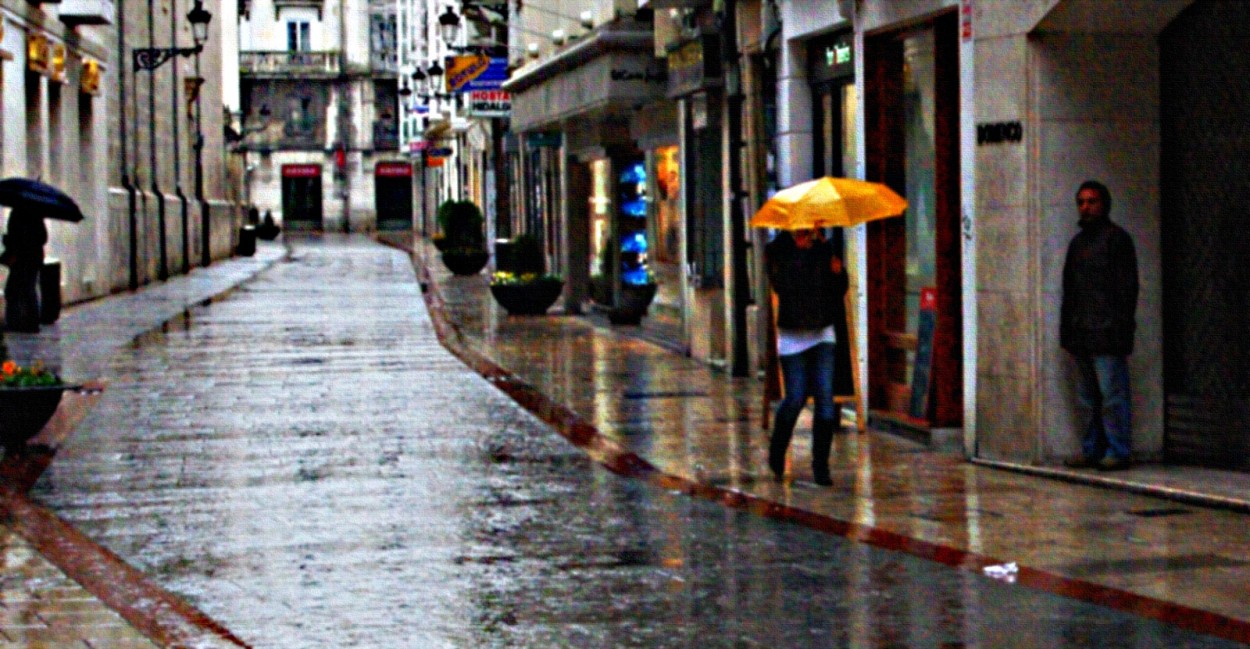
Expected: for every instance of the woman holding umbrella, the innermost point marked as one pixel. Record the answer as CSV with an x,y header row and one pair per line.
x,y
811,284
23,254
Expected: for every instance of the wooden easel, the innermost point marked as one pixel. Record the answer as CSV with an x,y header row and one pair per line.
x,y
773,386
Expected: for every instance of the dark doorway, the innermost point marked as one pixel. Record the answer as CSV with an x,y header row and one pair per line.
x,y
911,101
301,197
392,195
1205,205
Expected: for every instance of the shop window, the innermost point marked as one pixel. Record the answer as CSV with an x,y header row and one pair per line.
x,y
919,114
667,228
631,192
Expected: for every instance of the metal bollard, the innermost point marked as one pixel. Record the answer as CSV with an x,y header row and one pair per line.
x,y
50,291
247,240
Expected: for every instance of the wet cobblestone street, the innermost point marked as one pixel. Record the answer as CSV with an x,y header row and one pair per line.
x,y
303,462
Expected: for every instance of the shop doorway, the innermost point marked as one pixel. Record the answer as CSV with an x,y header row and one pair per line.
x,y
911,101
301,197
1204,194
392,195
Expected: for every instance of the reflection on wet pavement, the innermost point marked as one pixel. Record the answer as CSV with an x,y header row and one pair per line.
x,y
304,463
41,607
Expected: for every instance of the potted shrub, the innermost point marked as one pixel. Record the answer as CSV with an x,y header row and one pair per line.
x,y
29,397
464,242
268,229
520,284
634,299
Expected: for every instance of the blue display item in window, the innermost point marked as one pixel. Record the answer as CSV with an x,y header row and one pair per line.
x,y
636,277
634,174
636,208
635,242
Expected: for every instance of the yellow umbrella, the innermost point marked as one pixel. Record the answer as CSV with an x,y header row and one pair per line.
x,y
828,203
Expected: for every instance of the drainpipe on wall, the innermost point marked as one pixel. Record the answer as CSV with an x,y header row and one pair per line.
x,y
163,270
182,197
125,179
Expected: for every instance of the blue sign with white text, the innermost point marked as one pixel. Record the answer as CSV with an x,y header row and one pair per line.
x,y
476,77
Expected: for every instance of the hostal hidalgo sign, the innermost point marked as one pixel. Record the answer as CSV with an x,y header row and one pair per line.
x,y
488,103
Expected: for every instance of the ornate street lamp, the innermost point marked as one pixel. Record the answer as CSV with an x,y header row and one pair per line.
x,y
435,72
449,26
150,58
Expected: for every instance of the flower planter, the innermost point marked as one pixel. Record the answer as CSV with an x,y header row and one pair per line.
x,y
530,298
635,299
26,411
465,262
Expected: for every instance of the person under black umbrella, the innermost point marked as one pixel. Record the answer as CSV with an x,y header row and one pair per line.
x,y
23,254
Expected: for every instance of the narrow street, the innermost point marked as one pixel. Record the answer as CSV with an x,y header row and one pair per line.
x,y
301,461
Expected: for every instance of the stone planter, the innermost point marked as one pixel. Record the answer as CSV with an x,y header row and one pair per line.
x,y
26,411
465,262
635,299
532,298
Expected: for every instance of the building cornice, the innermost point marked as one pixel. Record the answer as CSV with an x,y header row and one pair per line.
x,y
611,38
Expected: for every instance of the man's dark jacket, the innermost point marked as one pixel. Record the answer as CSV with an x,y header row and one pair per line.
x,y
809,294
1099,291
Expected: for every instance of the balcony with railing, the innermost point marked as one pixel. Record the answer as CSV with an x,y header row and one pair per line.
x,y
289,63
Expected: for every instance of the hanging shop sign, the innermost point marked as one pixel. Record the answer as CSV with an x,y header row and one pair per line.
x,y
56,66
694,66
392,170
434,162
89,79
439,152
38,52
832,58
475,72
301,171
489,103
417,146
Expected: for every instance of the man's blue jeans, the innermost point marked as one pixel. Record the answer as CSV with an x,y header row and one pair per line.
x,y
1103,389
808,373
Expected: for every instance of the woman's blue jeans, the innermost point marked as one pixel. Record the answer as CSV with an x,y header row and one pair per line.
x,y
1103,389
807,374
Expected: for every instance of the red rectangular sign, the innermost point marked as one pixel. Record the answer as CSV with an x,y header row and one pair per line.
x,y
393,169
301,171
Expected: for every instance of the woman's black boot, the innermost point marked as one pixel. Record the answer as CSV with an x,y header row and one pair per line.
x,y
779,442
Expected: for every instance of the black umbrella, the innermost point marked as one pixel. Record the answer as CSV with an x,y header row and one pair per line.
x,y
38,198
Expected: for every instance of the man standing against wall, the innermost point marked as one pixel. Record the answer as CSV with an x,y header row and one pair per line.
x,y
1097,322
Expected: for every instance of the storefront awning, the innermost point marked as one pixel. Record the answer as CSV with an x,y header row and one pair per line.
x,y
612,70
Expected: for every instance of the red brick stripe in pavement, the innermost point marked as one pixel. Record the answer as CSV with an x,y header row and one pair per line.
x,y
624,462
153,611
